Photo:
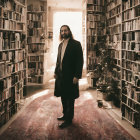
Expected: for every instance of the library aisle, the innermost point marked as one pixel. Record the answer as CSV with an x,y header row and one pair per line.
x,y
37,120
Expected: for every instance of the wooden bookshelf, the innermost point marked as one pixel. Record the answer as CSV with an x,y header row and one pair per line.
x,y
12,56
123,40
37,47
131,62
95,33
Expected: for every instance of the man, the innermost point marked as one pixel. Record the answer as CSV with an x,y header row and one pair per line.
x,y
68,71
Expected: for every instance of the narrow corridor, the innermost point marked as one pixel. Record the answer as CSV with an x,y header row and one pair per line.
x,y
37,121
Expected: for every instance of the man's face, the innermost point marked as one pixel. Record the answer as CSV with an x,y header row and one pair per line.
x,y
64,32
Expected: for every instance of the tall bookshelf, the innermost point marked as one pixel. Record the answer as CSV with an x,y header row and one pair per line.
x,y
37,47
114,41
123,41
131,61
12,56
95,32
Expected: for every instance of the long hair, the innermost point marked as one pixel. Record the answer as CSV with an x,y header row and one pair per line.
x,y
70,33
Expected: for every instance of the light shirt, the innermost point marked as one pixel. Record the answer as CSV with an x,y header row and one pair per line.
x,y
64,45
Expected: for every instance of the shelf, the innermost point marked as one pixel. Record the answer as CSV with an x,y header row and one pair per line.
x,y
131,51
130,8
36,43
131,60
130,19
114,7
110,26
130,107
37,12
92,11
127,120
10,30
131,99
131,30
16,49
113,16
130,83
130,71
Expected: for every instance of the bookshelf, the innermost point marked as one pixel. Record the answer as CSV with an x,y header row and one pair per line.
x,y
114,42
95,32
122,18
12,56
37,47
131,62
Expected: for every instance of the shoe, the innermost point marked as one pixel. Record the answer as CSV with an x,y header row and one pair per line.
x,y
61,118
65,124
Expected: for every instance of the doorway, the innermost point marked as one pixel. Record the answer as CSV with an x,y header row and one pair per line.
x,y
73,20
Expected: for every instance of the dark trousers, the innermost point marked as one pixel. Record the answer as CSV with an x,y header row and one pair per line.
x,y
68,108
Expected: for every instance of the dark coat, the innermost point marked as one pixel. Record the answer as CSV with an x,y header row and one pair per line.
x,y
72,65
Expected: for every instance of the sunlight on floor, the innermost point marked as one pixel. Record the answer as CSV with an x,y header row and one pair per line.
x,y
44,92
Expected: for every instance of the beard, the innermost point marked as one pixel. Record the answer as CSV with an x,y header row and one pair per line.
x,y
65,36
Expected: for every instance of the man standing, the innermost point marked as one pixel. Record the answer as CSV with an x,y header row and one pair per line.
x,y
68,71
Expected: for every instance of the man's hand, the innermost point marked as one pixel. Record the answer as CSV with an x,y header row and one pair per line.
x,y
75,80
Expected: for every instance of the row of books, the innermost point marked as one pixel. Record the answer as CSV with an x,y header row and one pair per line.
x,y
12,80
36,31
33,39
11,25
112,3
36,17
7,93
96,2
36,58
130,3
130,14
12,56
95,17
95,8
117,54
132,93
131,103
131,77
31,7
95,39
130,36
130,115
131,46
93,24
114,11
12,15
133,56
33,72
36,65
131,25
8,69
34,48
10,36
35,79
115,20
131,66
114,38
6,115
95,32
114,30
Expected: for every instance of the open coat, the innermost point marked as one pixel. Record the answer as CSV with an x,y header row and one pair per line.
x,y
72,65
